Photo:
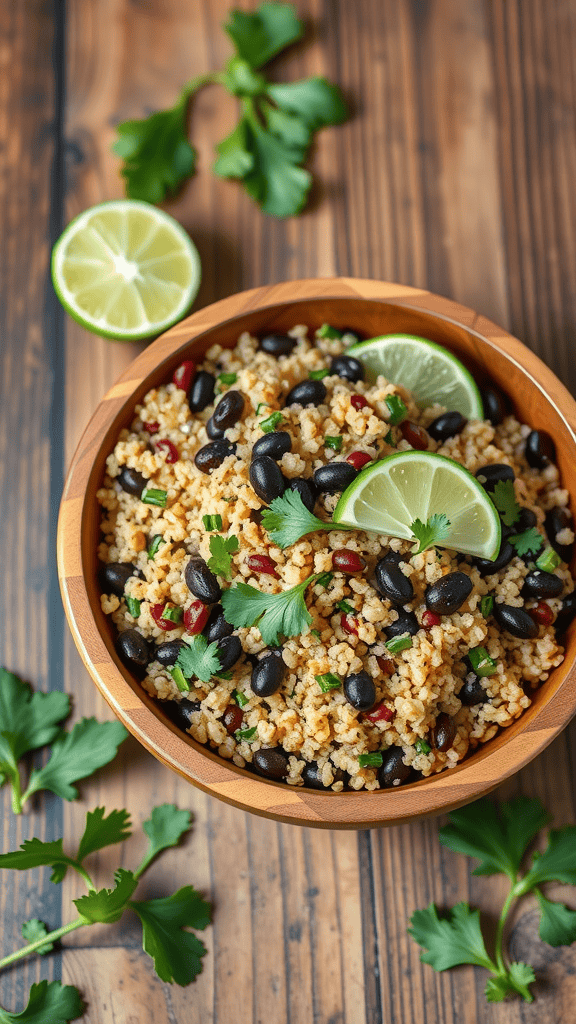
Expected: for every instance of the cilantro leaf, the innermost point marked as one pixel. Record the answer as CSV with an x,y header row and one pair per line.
x,y
221,551
261,34
452,940
430,533
165,827
516,979
176,953
276,181
156,152
241,80
33,853
33,930
100,831
314,101
199,659
76,754
287,520
28,720
234,158
499,841
557,863
288,127
107,905
528,542
274,614
557,922
504,497
48,1002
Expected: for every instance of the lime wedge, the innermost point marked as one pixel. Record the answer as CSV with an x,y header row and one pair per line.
x,y
388,496
125,270
429,371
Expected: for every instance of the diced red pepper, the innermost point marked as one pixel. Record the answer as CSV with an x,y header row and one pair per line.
x,y
386,666
542,614
358,401
152,428
262,565
347,560
430,619
381,713
358,459
183,374
349,624
195,617
172,454
156,611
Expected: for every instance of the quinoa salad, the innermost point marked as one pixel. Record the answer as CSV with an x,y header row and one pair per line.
x,y
383,666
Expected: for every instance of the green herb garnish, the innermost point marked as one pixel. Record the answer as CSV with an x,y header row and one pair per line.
x,y
154,496
316,633
245,734
287,520
240,698
482,663
154,545
334,442
345,607
328,681
326,331
399,643
275,615
318,374
499,838
261,406
422,747
271,422
389,439
373,760
430,533
227,378
172,614
179,678
397,409
486,605
199,659
132,605
528,542
325,579
504,497
548,560
221,551
212,522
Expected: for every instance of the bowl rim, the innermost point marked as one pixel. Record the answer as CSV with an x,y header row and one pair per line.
x,y
474,776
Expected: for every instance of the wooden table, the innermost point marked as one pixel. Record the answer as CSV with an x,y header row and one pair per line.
x,y
457,172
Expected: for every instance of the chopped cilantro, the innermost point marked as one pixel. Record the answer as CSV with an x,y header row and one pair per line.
x,y
504,497
334,442
328,681
133,606
528,542
389,439
172,614
227,378
430,533
397,409
199,659
373,760
325,579
422,747
245,734
221,551
345,607
240,698
316,633
271,422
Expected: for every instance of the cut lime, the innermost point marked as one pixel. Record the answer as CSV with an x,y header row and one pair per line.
x,y
429,371
388,496
125,270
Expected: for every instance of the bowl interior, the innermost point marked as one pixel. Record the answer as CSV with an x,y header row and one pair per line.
x,y
485,359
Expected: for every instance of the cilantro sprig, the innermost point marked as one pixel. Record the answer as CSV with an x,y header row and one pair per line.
x,y
275,615
430,533
504,497
499,837
221,551
287,520
199,659
269,145
175,951
30,720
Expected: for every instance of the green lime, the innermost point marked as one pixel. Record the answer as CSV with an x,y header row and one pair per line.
x,y
125,270
429,371
389,496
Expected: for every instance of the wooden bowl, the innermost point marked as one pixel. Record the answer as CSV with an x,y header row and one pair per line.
x,y
373,308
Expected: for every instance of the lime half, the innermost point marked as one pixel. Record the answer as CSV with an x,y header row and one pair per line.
x,y
125,270
388,496
429,371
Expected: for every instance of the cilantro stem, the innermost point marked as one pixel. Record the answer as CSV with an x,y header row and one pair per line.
x,y
51,937
516,890
17,800
197,83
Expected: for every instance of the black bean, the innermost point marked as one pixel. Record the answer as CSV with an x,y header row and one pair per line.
x,y
405,623
473,692
542,584
444,732
167,653
180,711
526,520
266,478
448,594
229,650
304,489
447,425
213,454
216,626
489,476
393,771
493,406
540,449
272,762
214,432
114,576
312,776
201,391
360,691
515,621
131,481
347,367
307,392
275,444
503,558
392,557
132,647
334,477
558,519
566,613
228,411
201,582
392,583
268,675
278,344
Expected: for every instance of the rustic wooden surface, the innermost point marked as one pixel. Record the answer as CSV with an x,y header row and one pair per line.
x,y
457,174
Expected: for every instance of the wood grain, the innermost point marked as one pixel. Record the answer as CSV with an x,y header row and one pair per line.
x,y
456,174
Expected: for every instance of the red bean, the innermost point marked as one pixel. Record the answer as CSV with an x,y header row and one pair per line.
x,y
386,665
358,401
195,617
542,614
380,713
232,718
182,376
156,611
171,450
152,428
349,624
262,565
358,459
347,561
415,435
430,619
